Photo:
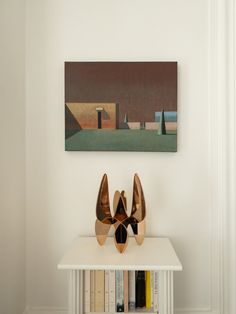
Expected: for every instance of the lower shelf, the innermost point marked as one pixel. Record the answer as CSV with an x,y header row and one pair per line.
x,y
77,295
137,312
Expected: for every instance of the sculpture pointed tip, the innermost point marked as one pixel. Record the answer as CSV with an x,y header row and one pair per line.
x,y
101,239
139,239
120,247
136,178
104,177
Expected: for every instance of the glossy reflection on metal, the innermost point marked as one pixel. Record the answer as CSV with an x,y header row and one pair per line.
x,y
120,219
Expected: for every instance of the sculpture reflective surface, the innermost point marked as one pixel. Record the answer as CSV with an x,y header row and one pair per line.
x,y
120,219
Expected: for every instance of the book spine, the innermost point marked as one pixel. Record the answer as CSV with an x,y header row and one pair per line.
x,y
112,289
92,290
155,291
140,292
86,291
131,290
148,289
119,291
106,290
99,291
126,291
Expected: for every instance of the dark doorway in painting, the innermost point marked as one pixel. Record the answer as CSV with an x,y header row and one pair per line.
x,y
121,106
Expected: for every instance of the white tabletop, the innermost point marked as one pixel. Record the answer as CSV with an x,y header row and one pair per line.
x,y
153,254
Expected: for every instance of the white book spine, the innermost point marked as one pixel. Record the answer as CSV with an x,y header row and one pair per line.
x,y
112,291
106,290
92,290
156,291
86,291
132,290
119,291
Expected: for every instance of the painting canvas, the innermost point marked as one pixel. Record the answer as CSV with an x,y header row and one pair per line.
x,y
121,106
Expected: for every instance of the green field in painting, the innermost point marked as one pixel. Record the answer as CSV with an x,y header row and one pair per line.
x,y
121,140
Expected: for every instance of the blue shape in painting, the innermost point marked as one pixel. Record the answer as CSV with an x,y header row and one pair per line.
x,y
170,116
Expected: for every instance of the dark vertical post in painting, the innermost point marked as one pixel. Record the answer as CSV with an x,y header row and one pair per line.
x,y
99,120
99,111
162,124
117,116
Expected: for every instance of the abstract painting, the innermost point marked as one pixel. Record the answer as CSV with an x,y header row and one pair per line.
x,y
121,106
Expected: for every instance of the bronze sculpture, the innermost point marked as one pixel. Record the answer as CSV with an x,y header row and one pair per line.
x,y
120,219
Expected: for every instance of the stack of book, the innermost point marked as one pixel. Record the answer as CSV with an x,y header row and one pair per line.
x,y
121,291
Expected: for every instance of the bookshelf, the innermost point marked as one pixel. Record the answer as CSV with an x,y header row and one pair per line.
x,y
155,254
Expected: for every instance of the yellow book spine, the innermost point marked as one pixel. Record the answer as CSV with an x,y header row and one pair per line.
x,y
148,290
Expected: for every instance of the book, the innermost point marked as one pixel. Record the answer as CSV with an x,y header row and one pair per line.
x,y
155,291
99,285
119,291
131,276
86,291
92,290
126,291
112,289
106,299
140,291
148,289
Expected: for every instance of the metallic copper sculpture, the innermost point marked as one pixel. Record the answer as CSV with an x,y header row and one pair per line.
x,y
120,219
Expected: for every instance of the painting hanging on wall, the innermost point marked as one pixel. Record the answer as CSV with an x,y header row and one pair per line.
x,y
121,106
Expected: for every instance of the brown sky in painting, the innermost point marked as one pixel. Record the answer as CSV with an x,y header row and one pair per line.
x,y
140,88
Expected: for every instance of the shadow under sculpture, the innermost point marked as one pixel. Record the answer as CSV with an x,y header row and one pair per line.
x,y
120,220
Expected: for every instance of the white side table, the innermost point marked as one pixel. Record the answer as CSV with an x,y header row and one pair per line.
x,y
154,254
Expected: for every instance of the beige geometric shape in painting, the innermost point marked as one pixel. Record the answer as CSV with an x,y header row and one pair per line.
x,y
151,125
86,114
134,125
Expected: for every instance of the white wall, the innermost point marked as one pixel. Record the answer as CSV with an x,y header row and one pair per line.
x,y
12,154
62,186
